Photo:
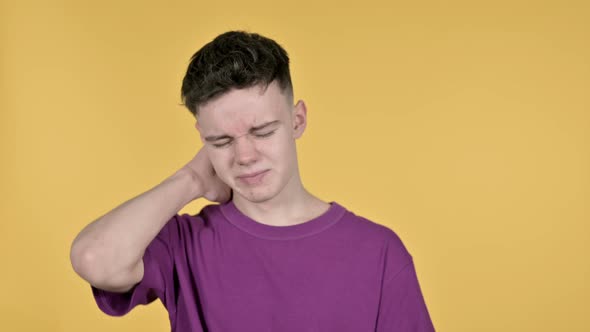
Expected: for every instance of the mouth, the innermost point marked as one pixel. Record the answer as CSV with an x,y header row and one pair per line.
x,y
253,178
251,175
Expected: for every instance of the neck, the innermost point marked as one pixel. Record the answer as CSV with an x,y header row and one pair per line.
x,y
293,205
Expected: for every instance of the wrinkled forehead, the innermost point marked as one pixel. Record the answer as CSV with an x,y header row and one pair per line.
x,y
238,110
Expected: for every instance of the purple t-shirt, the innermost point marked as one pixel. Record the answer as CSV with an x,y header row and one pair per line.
x,y
221,271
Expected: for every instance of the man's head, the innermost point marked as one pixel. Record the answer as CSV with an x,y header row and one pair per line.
x,y
239,88
234,60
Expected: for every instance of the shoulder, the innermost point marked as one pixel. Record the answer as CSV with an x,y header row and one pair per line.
x,y
187,223
376,234
207,214
370,228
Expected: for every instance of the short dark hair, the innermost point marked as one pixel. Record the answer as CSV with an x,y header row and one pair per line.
x,y
234,59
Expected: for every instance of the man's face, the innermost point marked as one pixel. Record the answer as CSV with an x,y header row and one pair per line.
x,y
250,138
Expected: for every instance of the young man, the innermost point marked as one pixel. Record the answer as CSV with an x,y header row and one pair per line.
x,y
271,256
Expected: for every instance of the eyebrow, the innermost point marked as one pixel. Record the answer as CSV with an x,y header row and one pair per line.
x,y
213,138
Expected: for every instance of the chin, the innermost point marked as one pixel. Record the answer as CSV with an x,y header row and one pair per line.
x,y
255,195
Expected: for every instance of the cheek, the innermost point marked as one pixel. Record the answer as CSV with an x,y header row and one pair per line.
x,y
280,151
270,150
218,160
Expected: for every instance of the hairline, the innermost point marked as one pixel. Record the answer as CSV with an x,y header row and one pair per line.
x,y
287,92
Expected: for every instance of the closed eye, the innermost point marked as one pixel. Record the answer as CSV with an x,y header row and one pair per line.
x,y
265,134
221,145
225,144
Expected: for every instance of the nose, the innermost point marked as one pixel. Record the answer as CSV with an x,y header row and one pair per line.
x,y
245,150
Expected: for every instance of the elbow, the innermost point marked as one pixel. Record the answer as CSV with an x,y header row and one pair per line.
x,y
88,266
84,264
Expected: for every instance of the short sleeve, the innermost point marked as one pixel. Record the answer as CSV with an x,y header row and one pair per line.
x,y
158,265
402,307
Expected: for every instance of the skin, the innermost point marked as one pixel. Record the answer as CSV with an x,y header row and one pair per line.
x,y
236,144
108,252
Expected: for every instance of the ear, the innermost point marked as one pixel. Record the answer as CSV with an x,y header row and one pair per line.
x,y
299,119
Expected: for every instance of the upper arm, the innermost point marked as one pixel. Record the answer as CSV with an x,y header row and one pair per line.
x,y
402,306
150,279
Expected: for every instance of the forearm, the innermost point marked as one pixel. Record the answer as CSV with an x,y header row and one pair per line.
x,y
114,244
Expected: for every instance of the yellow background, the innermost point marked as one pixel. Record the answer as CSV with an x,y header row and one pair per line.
x,y
463,126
